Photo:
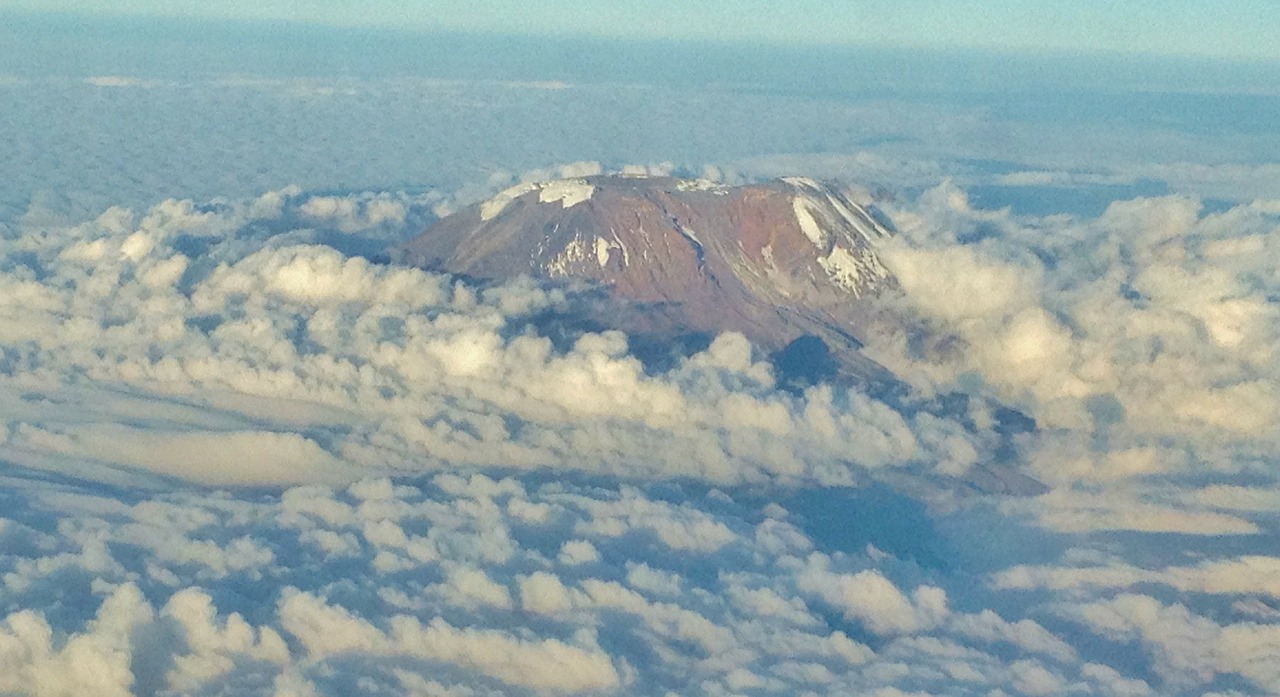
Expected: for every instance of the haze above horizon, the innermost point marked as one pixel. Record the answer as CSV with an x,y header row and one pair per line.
x,y
1192,28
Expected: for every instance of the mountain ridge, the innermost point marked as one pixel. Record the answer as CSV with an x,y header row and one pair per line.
x,y
774,261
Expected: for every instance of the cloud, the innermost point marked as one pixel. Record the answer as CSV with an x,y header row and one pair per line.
x,y
470,587
578,552
251,342
123,81
96,661
216,459
545,665
1149,325
1246,575
1071,511
449,587
1234,498
1027,635
322,367
214,646
874,600
1189,649
353,214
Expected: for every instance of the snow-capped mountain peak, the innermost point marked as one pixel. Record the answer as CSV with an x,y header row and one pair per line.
x,y
775,261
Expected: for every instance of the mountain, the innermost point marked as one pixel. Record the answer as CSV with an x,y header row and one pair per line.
x,y
790,263
776,261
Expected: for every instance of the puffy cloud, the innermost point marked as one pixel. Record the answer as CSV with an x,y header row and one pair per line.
x,y
324,366
1189,649
1112,682
1027,635
543,665
544,594
428,599
214,647
326,630
351,214
870,598
958,283
470,587
578,552
95,661
1152,311
682,528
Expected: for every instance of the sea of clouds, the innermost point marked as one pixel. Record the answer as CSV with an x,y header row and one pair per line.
x,y
240,455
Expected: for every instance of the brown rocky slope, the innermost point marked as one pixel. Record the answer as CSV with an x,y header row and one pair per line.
x,y
775,261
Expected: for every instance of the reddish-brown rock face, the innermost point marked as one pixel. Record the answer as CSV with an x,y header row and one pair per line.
x,y
774,261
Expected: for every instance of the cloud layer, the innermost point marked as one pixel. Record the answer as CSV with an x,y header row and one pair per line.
x,y
474,585
457,504
1145,337
288,362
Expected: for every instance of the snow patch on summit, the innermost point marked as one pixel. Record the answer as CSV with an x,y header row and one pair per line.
x,y
701,185
569,192
491,208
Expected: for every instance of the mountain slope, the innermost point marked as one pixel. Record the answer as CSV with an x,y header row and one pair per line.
x,y
775,261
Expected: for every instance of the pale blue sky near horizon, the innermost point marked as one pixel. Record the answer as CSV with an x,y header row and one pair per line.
x,y
1204,28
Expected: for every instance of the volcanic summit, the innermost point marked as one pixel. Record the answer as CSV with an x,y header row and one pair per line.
x,y
775,261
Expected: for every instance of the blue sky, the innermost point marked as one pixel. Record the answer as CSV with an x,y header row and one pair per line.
x,y
1235,28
